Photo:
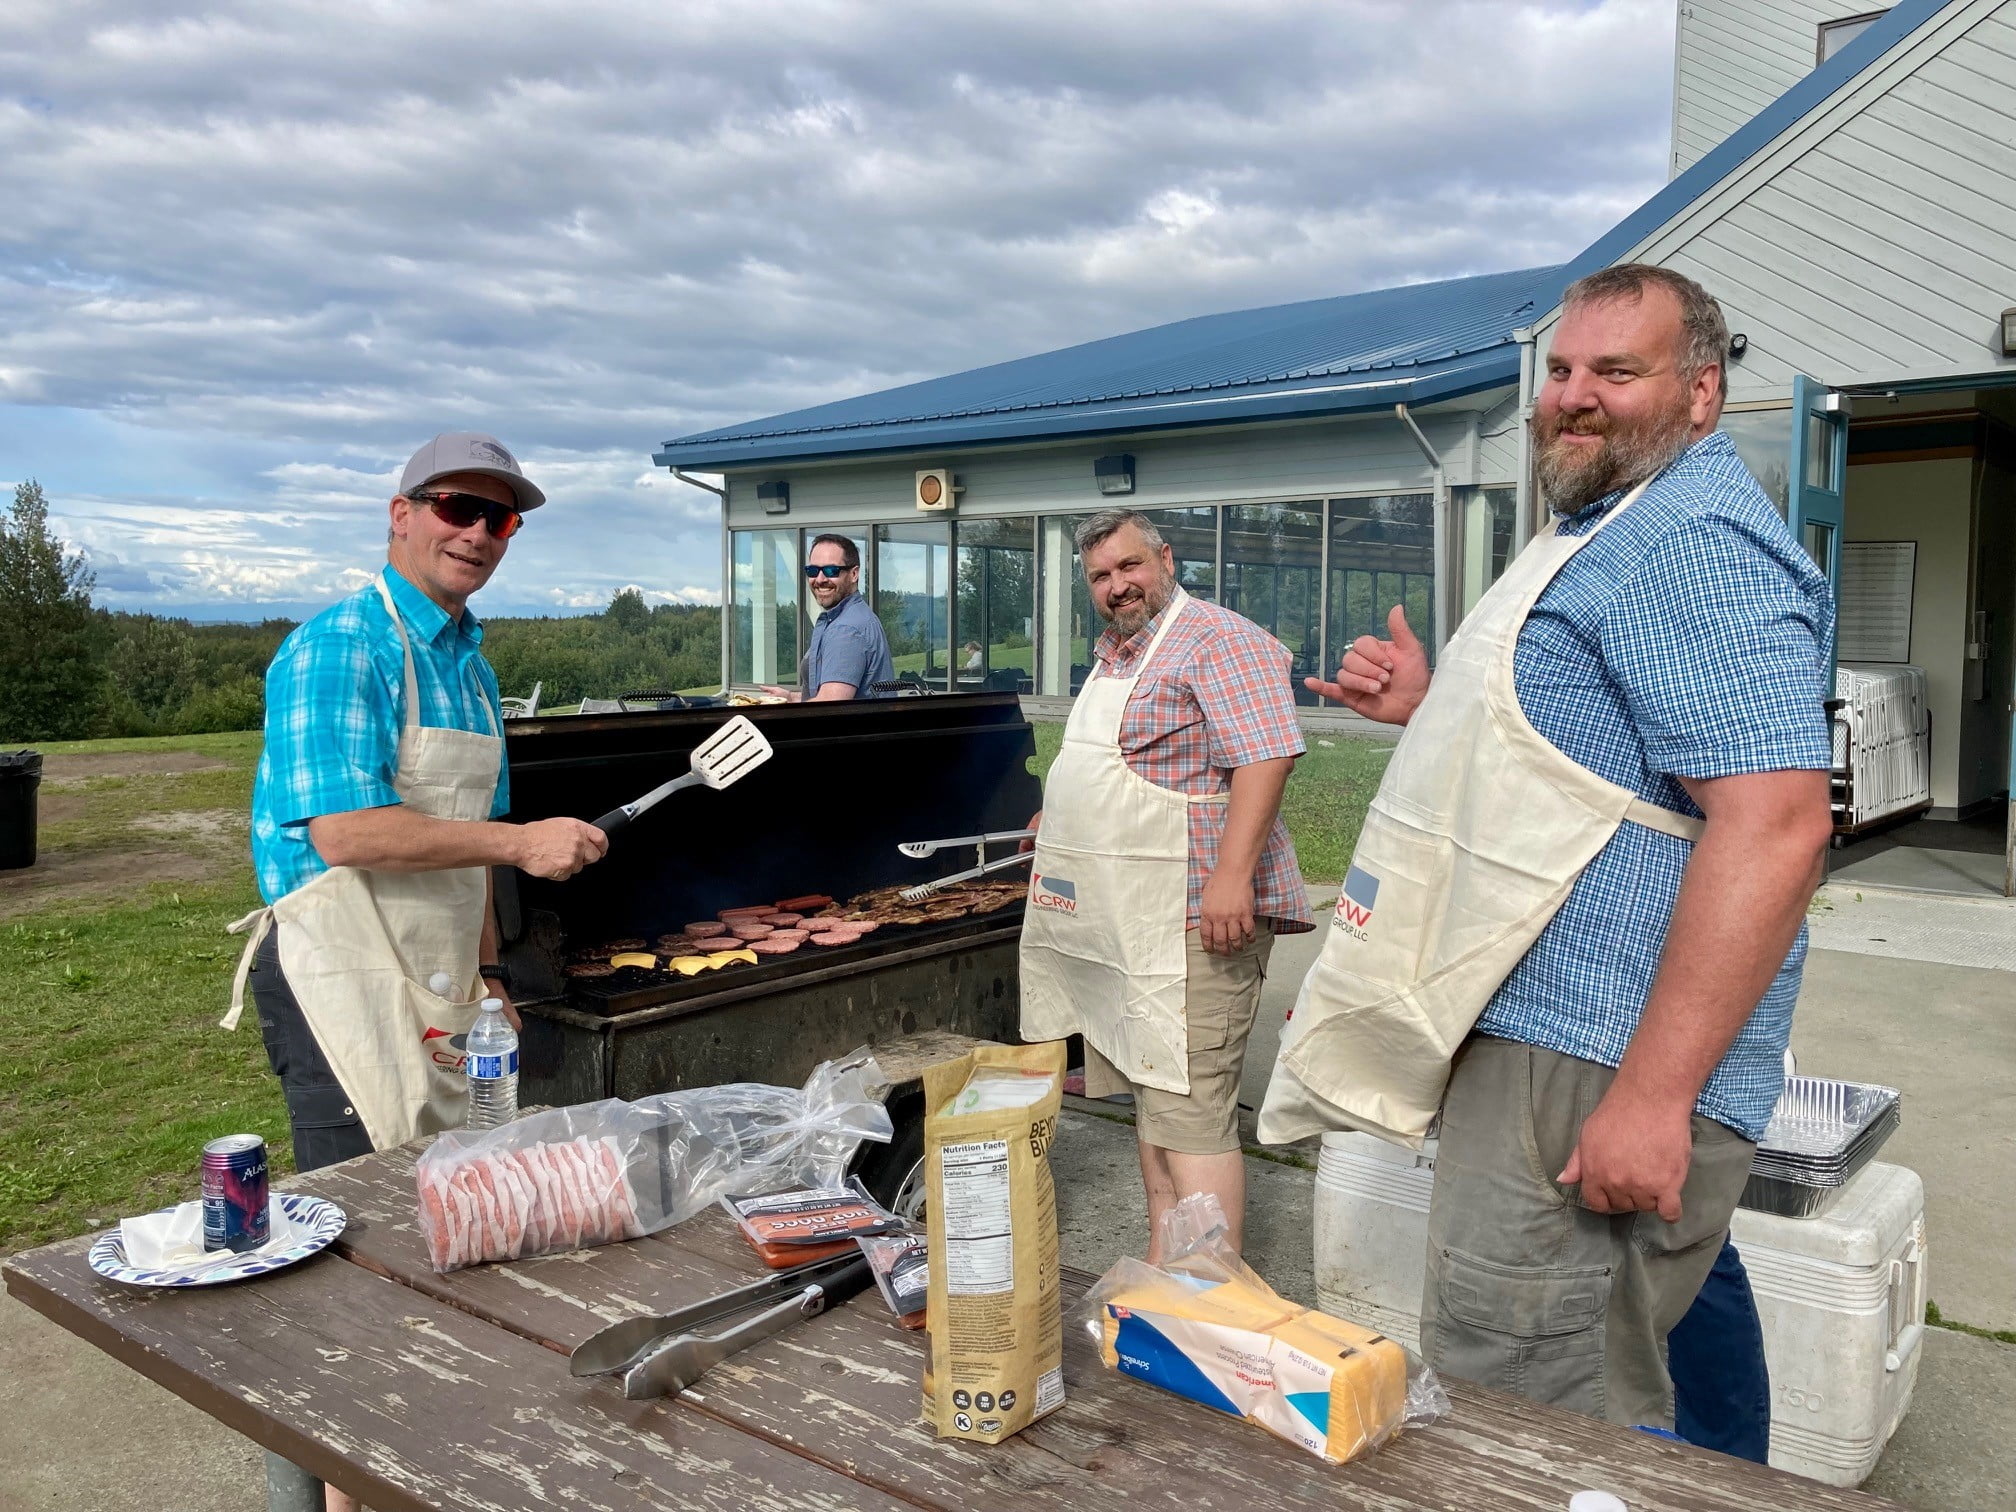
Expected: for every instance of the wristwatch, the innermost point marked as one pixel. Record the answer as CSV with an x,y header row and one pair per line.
x,y
497,973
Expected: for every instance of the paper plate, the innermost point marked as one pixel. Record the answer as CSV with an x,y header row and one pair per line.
x,y
323,1219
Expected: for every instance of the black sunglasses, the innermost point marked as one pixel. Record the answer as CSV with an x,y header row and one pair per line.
x,y
826,569
463,510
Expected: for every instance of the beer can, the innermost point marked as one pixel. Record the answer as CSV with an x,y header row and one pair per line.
x,y
234,1193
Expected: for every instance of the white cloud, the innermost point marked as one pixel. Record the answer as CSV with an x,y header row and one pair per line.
x,y
281,242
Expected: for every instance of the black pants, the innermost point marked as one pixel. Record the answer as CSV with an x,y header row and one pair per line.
x,y
325,1122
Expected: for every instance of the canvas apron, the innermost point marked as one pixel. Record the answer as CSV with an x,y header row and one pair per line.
x,y
1102,939
1471,846
358,946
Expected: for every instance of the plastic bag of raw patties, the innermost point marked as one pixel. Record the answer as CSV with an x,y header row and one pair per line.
x,y
1203,1325
569,1178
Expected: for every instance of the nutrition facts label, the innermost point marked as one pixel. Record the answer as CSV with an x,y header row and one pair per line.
x,y
979,1232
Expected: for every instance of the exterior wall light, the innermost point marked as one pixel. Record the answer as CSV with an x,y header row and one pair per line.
x,y
774,497
1114,474
2009,333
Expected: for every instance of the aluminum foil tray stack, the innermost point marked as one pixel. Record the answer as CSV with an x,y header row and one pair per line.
x,y
1822,1133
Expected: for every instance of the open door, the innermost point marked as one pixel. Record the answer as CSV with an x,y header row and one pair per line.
x,y
1819,477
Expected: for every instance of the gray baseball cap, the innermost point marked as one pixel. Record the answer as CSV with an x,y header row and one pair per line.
x,y
469,452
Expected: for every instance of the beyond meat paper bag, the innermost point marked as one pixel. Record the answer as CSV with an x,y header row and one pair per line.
x,y
997,1345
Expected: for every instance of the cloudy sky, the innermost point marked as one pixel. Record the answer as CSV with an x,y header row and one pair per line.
x,y
253,252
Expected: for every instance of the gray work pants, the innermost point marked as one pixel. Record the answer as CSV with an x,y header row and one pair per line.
x,y
1527,1290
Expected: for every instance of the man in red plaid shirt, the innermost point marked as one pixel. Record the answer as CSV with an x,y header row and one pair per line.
x,y
1163,871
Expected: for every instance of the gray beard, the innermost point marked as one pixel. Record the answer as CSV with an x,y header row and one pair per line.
x,y
1153,602
1627,457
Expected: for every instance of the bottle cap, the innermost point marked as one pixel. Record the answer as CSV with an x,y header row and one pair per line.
x,y
496,1005
440,984
1596,1501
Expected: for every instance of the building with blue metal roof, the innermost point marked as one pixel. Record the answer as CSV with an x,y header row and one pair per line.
x,y
1841,182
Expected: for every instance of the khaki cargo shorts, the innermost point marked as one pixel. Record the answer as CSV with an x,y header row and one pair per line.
x,y
1222,1001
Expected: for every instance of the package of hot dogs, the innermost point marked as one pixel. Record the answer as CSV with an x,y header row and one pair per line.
x,y
570,1178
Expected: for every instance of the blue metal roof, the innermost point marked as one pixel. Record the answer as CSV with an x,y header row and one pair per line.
x,y
1321,356
1754,135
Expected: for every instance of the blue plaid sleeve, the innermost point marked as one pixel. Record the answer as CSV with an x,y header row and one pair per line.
x,y
1242,683
332,729
1718,643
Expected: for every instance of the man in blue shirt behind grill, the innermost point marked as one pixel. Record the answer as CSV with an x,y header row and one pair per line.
x,y
849,655
1598,1123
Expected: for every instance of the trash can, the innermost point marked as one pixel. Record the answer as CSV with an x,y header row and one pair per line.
x,y
20,776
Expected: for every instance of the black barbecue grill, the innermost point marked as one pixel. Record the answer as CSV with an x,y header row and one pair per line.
x,y
824,815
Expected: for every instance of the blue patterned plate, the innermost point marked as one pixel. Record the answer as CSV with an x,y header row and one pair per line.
x,y
323,1219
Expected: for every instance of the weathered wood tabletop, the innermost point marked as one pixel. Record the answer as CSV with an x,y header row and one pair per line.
x,y
414,1392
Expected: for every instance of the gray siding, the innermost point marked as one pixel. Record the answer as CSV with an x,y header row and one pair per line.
x,y
1734,57
1361,455
1875,241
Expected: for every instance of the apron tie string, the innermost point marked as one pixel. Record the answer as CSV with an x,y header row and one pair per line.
x,y
259,922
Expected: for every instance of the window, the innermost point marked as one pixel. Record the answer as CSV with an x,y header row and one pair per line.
x,y
1382,553
1835,35
913,598
1764,441
1273,567
997,605
763,618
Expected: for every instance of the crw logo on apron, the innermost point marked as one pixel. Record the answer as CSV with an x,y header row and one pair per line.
x,y
445,1049
1354,906
1053,893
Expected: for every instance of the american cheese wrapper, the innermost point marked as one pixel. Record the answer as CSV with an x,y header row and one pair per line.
x,y
1333,1387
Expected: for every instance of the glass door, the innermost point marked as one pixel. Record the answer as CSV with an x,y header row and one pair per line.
x,y
1816,496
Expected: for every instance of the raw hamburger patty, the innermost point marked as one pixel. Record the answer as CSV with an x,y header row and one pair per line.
x,y
783,920
749,929
773,946
720,942
834,937
704,929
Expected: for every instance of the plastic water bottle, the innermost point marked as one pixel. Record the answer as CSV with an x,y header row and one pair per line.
x,y
492,1066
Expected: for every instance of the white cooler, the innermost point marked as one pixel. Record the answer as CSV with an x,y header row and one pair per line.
x,y
1841,1295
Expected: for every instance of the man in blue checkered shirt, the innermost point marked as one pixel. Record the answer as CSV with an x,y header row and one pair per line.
x,y
1598,1124
377,808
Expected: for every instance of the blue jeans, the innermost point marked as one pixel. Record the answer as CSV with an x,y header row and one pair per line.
x,y
1721,1387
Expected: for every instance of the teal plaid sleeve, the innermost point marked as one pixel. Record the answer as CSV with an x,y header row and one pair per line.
x,y
332,729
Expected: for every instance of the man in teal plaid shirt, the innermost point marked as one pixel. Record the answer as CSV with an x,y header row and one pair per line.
x,y
376,708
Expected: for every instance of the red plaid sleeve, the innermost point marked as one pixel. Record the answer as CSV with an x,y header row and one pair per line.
x,y
1241,681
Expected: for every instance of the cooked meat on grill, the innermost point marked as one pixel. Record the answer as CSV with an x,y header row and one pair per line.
x,y
702,929
616,947
749,929
806,904
731,915
591,969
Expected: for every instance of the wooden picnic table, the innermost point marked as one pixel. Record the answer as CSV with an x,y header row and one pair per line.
x,y
417,1392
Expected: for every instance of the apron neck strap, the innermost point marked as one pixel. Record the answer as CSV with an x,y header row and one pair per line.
x,y
406,649
1175,607
1615,510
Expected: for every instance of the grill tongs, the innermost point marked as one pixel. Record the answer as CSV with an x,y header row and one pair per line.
x,y
664,1355
918,850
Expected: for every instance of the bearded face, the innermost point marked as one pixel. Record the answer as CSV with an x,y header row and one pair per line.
x,y
1625,451
1130,581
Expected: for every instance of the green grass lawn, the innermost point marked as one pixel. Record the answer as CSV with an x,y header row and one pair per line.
x,y
112,1070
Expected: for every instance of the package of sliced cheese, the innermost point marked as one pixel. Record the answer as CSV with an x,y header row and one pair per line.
x,y
996,1361
1204,1326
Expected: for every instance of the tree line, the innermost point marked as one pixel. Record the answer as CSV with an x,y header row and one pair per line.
x,y
70,670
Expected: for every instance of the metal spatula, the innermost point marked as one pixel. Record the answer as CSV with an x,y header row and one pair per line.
x,y
722,759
